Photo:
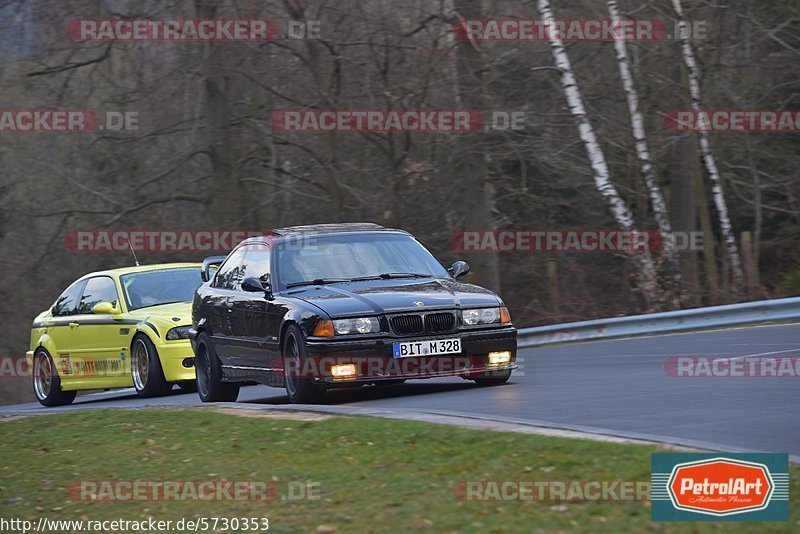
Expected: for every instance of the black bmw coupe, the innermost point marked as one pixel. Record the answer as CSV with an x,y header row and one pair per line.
x,y
309,308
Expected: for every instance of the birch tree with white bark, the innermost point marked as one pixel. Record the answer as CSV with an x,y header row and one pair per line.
x,y
602,175
660,213
693,73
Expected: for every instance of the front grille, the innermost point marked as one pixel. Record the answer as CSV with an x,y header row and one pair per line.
x,y
439,322
429,323
407,324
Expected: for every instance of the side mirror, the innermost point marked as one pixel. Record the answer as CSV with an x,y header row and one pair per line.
x,y
105,308
459,268
254,284
210,267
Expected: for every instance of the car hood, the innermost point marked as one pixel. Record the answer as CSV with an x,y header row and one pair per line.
x,y
392,296
178,313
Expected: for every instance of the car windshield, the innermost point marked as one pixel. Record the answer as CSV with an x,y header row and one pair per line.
x,y
346,257
164,286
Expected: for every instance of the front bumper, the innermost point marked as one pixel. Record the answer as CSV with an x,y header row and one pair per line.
x,y
375,362
175,356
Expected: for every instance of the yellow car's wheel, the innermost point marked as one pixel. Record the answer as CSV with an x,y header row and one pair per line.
x,y
46,383
148,377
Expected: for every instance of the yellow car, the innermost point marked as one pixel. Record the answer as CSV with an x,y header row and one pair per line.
x,y
117,328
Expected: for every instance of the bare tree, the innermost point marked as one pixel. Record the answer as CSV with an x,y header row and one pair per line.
x,y
705,149
660,212
602,176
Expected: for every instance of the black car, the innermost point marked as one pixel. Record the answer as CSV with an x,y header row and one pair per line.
x,y
314,307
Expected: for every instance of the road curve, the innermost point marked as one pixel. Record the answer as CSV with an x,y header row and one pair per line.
x,y
615,387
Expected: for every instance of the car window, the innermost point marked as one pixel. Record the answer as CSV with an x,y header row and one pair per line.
x,y
98,289
230,275
256,262
67,303
163,286
355,255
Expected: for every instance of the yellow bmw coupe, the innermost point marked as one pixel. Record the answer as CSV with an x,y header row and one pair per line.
x,y
117,328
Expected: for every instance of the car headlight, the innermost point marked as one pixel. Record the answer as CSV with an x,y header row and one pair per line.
x,y
480,316
357,325
179,332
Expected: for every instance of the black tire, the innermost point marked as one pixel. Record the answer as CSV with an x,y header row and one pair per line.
x,y
210,387
493,378
188,386
300,389
46,382
146,372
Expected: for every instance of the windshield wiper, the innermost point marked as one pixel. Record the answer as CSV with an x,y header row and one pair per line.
x,y
317,282
387,276
160,304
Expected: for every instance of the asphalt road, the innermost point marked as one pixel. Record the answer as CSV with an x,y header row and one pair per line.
x,y
616,387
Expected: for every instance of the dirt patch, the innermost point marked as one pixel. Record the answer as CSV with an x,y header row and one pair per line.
x,y
5,418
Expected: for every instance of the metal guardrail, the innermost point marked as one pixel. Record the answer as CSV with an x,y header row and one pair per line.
x,y
674,321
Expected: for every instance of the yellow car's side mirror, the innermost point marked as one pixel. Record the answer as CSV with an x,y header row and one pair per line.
x,y
105,307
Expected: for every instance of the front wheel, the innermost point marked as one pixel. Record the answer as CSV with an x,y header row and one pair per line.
x,y
210,387
46,383
148,377
300,389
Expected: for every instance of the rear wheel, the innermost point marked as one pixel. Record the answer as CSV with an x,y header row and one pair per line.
x,y
46,383
299,388
148,377
210,387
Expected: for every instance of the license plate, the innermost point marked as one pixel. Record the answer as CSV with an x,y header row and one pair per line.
x,y
431,347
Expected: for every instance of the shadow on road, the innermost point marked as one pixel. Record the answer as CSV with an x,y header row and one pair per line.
x,y
368,393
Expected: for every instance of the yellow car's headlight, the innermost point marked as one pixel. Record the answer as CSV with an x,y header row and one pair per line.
x,y
179,332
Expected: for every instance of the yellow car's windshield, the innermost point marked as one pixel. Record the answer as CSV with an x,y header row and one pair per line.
x,y
165,286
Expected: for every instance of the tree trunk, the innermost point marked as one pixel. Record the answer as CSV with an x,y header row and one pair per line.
x,y
478,193
642,149
705,151
602,178
225,196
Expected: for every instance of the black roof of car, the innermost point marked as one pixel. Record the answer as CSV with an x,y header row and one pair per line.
x,y
331,229
320,229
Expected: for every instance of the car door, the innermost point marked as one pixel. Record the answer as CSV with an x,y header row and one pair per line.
x,y
100,341
220,301
61,327
256,318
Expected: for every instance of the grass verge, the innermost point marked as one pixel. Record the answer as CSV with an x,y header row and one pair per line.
x,y
372,474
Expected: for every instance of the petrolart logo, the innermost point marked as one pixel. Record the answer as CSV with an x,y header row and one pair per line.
x,y
720,487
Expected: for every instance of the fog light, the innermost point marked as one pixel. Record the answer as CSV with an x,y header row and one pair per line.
x,y
346,370
499,358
